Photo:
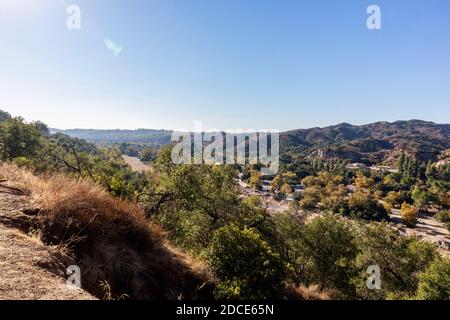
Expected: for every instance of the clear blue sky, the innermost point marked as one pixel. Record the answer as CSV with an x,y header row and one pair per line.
x,y
231,64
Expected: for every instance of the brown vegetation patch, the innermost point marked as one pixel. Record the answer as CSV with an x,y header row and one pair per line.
x,y
120,253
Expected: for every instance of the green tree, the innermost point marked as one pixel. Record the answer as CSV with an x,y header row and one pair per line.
x,y
329,251
255,180
277,182
434,283
430,172
401,164
287,239
246,265
286,188
41,127
363,205
310,198
397,198
409,215
421,196
4,116
18,139
400,259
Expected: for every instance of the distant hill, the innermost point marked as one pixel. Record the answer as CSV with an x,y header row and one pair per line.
x,y
141,136
372,143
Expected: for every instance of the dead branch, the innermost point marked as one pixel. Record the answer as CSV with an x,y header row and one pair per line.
x,y
265,215
79,164
60,159
11,190
163,197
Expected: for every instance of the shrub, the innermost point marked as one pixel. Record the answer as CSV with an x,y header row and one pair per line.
x,y
400,259
421,196
311,198
363,206
279,196
297,196
444,217
396,199
18,139
286,188
246,265
328,245
110,240
287,239
335,204
409,215
435,281
308,203
255,180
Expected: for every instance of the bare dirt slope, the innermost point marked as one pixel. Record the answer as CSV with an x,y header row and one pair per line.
x,y
120,253
29,270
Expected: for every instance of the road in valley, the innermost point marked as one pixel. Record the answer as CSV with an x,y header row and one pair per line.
x,y
135,163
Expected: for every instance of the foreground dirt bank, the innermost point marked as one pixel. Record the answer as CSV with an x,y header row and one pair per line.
x,y
29,270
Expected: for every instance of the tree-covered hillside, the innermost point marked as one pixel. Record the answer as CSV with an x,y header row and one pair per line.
x,y
320,247
373,143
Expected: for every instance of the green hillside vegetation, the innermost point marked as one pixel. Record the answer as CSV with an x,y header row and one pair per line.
x,y
371,144
250,254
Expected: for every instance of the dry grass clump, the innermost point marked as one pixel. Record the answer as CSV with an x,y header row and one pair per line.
x,y
310,293
20,179
114,245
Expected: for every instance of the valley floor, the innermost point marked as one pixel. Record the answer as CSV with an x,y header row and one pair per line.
x,y
427,228
135,163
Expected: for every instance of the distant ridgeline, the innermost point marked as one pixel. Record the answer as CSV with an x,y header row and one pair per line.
x,y
380,142
140,136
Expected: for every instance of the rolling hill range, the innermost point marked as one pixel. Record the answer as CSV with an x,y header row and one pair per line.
x,y
141,136
372,143
379,142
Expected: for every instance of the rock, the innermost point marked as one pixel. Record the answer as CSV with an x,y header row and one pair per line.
x,y
31,211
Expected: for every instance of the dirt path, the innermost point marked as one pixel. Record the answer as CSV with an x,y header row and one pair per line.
x,y
29,270
428,229
267,197
136,164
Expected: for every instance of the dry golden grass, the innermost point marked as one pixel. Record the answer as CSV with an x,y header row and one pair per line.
x,y
114,245
309,293
31,271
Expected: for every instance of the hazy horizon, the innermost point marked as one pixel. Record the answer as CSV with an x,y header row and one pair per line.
x,y
221,129
190,128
